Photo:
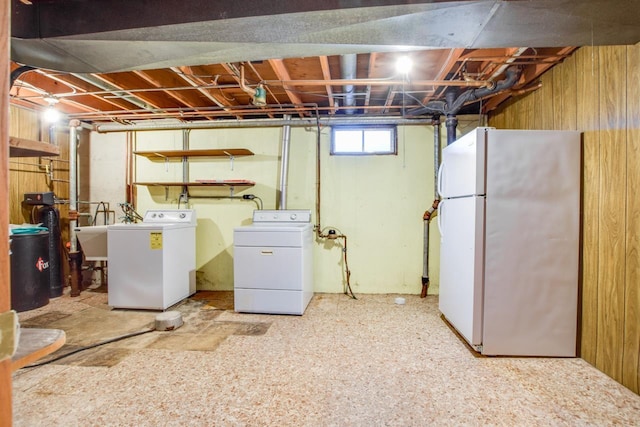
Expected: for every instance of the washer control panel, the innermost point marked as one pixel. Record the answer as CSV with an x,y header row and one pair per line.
x,y
296,216
170,216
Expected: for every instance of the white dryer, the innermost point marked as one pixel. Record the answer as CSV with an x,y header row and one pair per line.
x,y
273,263
152,264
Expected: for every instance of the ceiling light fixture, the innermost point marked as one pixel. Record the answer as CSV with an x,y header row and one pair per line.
x,y
403,65
51,115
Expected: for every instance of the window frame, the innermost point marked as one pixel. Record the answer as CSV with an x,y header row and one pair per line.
x,y
363,129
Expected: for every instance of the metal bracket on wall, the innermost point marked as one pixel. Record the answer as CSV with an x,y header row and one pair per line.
x,y
231,159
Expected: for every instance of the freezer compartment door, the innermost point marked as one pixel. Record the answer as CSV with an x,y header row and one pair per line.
x,y
463,164
461,265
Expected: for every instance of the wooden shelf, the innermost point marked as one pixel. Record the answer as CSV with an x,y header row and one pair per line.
x,y
239,183
204,189
169,154
20,147
34,344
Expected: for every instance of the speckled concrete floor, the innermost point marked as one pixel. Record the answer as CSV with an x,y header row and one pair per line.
x,y
365,362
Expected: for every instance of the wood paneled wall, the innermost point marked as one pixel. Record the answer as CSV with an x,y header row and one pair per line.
x,y
34,174
597,91
5,297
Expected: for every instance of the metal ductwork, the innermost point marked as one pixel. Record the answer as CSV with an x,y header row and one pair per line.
x,y
348,66
452,105
284,163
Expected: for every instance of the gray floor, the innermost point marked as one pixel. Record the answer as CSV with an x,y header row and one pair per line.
x,y
365,362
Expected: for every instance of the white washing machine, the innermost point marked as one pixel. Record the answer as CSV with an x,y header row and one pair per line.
x,y
273,263
152,264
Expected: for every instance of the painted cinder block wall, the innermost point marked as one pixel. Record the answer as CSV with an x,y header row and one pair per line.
x,y
377,201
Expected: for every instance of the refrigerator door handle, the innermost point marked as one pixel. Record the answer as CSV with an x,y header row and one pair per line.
x,y
439,180
440,215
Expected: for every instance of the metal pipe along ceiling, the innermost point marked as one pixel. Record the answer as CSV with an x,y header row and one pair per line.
x,y
227,124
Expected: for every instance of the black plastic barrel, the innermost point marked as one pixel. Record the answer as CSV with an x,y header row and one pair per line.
x,y
29,270
50,218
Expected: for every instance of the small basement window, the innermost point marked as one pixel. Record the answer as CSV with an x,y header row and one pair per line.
x,y
363,140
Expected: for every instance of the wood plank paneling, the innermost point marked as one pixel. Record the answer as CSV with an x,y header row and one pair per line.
x,y
569,99
630,368
547,112
588,120
597,92
5,297
611,269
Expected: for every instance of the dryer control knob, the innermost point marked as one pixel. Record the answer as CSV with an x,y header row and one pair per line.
x,y
161,215
293,216
183,215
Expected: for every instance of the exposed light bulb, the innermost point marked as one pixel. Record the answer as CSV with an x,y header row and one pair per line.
x,y
51,115
403,65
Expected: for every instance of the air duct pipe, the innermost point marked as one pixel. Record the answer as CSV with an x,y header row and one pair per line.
x,y
348,66
284,164
451,122
75,257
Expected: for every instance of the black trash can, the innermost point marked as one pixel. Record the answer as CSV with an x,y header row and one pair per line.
x,y
29,270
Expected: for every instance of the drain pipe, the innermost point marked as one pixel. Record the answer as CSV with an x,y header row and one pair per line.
x,y
453,104
15,74
348,65
75,257
451,122
284,163
429,213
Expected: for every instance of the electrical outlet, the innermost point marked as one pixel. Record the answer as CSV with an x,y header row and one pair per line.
x,y
9,334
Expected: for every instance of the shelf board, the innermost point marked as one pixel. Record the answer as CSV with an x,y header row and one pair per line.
x,y
168,154
227,183
34,344
20,147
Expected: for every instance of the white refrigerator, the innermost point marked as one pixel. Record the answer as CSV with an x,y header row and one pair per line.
x,y
509,218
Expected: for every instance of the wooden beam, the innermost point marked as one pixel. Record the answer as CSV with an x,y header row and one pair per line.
x,y
157,79
124,81
326,74
283,74
372,64
191,76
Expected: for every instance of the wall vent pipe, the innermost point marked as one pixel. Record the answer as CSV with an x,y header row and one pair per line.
x,y
348,66
284,164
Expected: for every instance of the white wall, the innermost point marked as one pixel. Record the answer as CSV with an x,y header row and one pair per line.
x,y
377,201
